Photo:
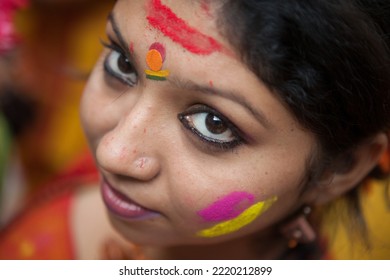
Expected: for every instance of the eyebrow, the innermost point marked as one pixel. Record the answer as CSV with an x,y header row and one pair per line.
x,y
231,95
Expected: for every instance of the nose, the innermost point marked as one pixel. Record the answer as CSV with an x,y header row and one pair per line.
x,y
130,148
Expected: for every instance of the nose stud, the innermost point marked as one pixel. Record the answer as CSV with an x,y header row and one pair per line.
x,y
145,168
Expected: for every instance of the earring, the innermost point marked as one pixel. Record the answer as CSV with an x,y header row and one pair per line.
x,y
298,229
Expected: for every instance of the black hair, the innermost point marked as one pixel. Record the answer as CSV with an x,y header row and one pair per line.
x,y
328,61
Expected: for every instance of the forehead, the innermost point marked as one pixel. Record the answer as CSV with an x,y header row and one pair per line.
x,y
162,18
196,53
188,24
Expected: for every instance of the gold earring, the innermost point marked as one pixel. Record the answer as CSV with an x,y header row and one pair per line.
x,y
298,229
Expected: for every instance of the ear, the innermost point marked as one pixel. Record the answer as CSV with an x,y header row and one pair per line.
x,y
364,158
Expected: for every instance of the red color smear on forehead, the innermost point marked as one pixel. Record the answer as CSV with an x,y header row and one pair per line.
x,y
164,19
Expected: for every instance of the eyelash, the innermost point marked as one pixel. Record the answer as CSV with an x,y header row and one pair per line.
x,y
113,47
214,145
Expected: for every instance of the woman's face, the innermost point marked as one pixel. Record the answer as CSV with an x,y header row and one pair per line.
x,y
191,146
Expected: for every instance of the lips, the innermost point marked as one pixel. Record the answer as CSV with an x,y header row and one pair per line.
x,y
123,207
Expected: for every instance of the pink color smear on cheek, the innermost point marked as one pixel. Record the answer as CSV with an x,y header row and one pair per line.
x,y
164,19
227,207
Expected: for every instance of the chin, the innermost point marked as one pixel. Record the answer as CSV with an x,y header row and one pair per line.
x,y
149,233
144,233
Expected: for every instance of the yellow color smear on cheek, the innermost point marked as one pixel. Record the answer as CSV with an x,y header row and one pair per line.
x,y
245,218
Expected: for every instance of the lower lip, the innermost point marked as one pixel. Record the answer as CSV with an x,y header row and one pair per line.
x,y
122,207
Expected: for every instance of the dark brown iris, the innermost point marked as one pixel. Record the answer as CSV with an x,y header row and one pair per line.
x,y
124,65
215,125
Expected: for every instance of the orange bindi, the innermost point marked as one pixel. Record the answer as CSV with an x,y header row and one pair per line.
x,y
154,60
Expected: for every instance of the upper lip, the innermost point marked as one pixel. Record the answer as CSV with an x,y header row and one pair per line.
x,y
123,194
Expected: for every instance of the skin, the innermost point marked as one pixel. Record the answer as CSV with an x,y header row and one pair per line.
x,y
145,152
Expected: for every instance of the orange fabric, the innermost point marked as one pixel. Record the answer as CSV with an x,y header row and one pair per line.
x,y
44,233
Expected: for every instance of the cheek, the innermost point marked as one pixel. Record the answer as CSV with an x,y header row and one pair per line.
x,y
227,207
219,202
86,112
90,123
233,212
88,107
94,115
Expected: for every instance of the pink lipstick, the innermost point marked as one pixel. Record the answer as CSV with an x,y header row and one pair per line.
x,y
123,207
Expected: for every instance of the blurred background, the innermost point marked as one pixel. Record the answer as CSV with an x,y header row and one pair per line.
x,y
44,64
43,69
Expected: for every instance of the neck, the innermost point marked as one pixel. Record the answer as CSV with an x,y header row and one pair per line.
x,y
260,246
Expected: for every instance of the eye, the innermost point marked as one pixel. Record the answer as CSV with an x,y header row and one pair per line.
x,y
211,127
119,66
